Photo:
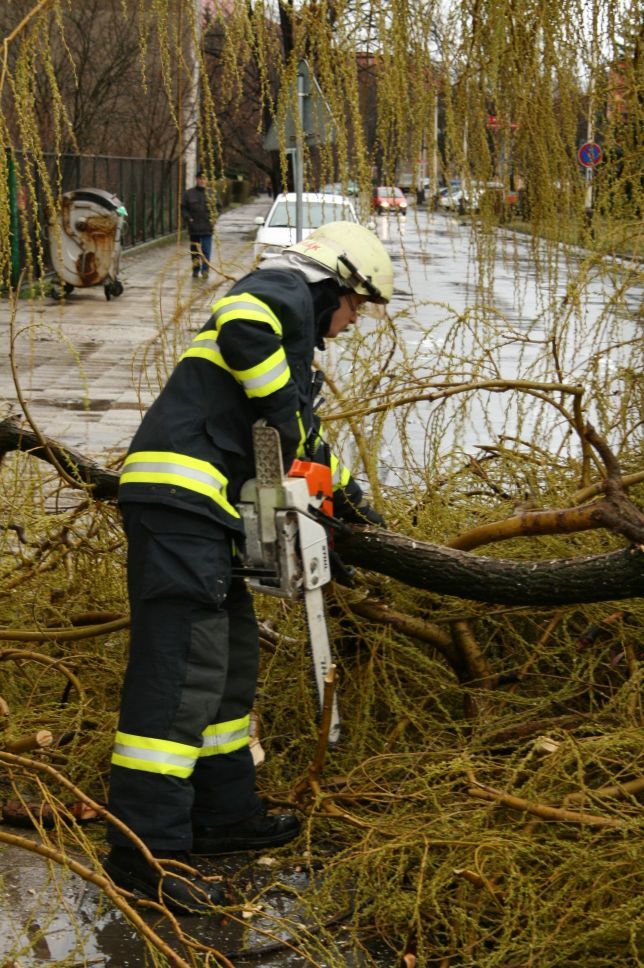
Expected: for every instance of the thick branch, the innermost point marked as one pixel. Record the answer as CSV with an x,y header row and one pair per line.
x,y
446,571
615,514
15,437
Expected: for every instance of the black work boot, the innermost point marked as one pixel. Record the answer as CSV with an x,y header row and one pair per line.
x,y
260,831
181,891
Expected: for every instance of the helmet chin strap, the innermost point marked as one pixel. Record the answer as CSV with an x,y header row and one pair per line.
x,y
373,291
326,299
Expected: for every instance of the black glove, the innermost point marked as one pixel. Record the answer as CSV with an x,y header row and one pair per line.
x,y
341,573
362,513
289,431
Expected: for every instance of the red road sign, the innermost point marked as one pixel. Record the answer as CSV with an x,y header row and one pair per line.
x,y
590,154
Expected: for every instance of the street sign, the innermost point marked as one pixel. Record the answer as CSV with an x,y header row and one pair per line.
x,y
590,154
318,126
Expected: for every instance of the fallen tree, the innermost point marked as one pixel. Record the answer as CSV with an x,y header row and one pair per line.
x,y
616,575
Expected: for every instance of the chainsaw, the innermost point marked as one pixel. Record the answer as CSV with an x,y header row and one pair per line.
x,y
287,548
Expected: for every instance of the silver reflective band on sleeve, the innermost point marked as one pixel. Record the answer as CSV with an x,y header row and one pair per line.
x,y
244,306
166,467
205,344
255,383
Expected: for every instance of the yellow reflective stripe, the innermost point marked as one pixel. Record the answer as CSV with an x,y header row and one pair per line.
x,y
245,306
205,345
226,737
178,470
259,380
154,755
266,377
300,452
340,474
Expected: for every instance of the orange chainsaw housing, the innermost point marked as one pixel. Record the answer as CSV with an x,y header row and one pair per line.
x,y
319,482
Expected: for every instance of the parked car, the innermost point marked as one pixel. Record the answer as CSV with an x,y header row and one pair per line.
x,y
459,198
388,199
474,196
337,188
278,229
449,198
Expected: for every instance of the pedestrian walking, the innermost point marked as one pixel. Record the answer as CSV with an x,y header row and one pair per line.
x,y
197,216
183,777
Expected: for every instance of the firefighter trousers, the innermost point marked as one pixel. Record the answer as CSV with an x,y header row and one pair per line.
x,y
181,755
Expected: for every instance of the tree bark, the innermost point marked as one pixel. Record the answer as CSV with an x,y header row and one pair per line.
x,y
614,576
13,436
567,581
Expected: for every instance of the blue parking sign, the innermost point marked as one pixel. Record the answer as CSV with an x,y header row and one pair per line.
x,y
590,154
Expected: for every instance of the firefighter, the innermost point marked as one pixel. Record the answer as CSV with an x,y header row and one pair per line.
x,y
183,778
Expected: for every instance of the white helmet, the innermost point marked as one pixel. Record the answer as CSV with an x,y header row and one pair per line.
x,y
353,255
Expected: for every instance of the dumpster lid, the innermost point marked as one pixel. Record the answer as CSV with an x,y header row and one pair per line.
x,y
106,199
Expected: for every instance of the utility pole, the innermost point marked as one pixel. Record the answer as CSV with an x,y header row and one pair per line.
x,y
590,122
298,157
434,184
192,100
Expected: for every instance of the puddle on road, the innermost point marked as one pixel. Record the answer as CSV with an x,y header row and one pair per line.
x,y
91,406
50,916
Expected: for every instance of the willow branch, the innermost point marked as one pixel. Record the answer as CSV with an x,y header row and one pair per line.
x,y
631,788
58,664
599,487
541,810
25,744
613,576
472,657
414,628
316,765
14,33
601,514
443,391
104,483
63,634
615,512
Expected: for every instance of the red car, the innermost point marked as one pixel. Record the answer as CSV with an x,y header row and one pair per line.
x,y
387,199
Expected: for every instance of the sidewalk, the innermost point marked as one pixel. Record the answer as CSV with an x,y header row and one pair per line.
x,y
88,366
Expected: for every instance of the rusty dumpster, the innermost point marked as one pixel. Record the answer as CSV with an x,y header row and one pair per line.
x,y
85,242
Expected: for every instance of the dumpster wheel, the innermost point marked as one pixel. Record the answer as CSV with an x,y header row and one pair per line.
x,y
59,290
113,289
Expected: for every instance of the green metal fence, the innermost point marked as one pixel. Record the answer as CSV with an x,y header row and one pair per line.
x,y
147,187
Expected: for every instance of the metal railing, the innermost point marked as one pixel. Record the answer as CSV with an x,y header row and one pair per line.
x,y
146,186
